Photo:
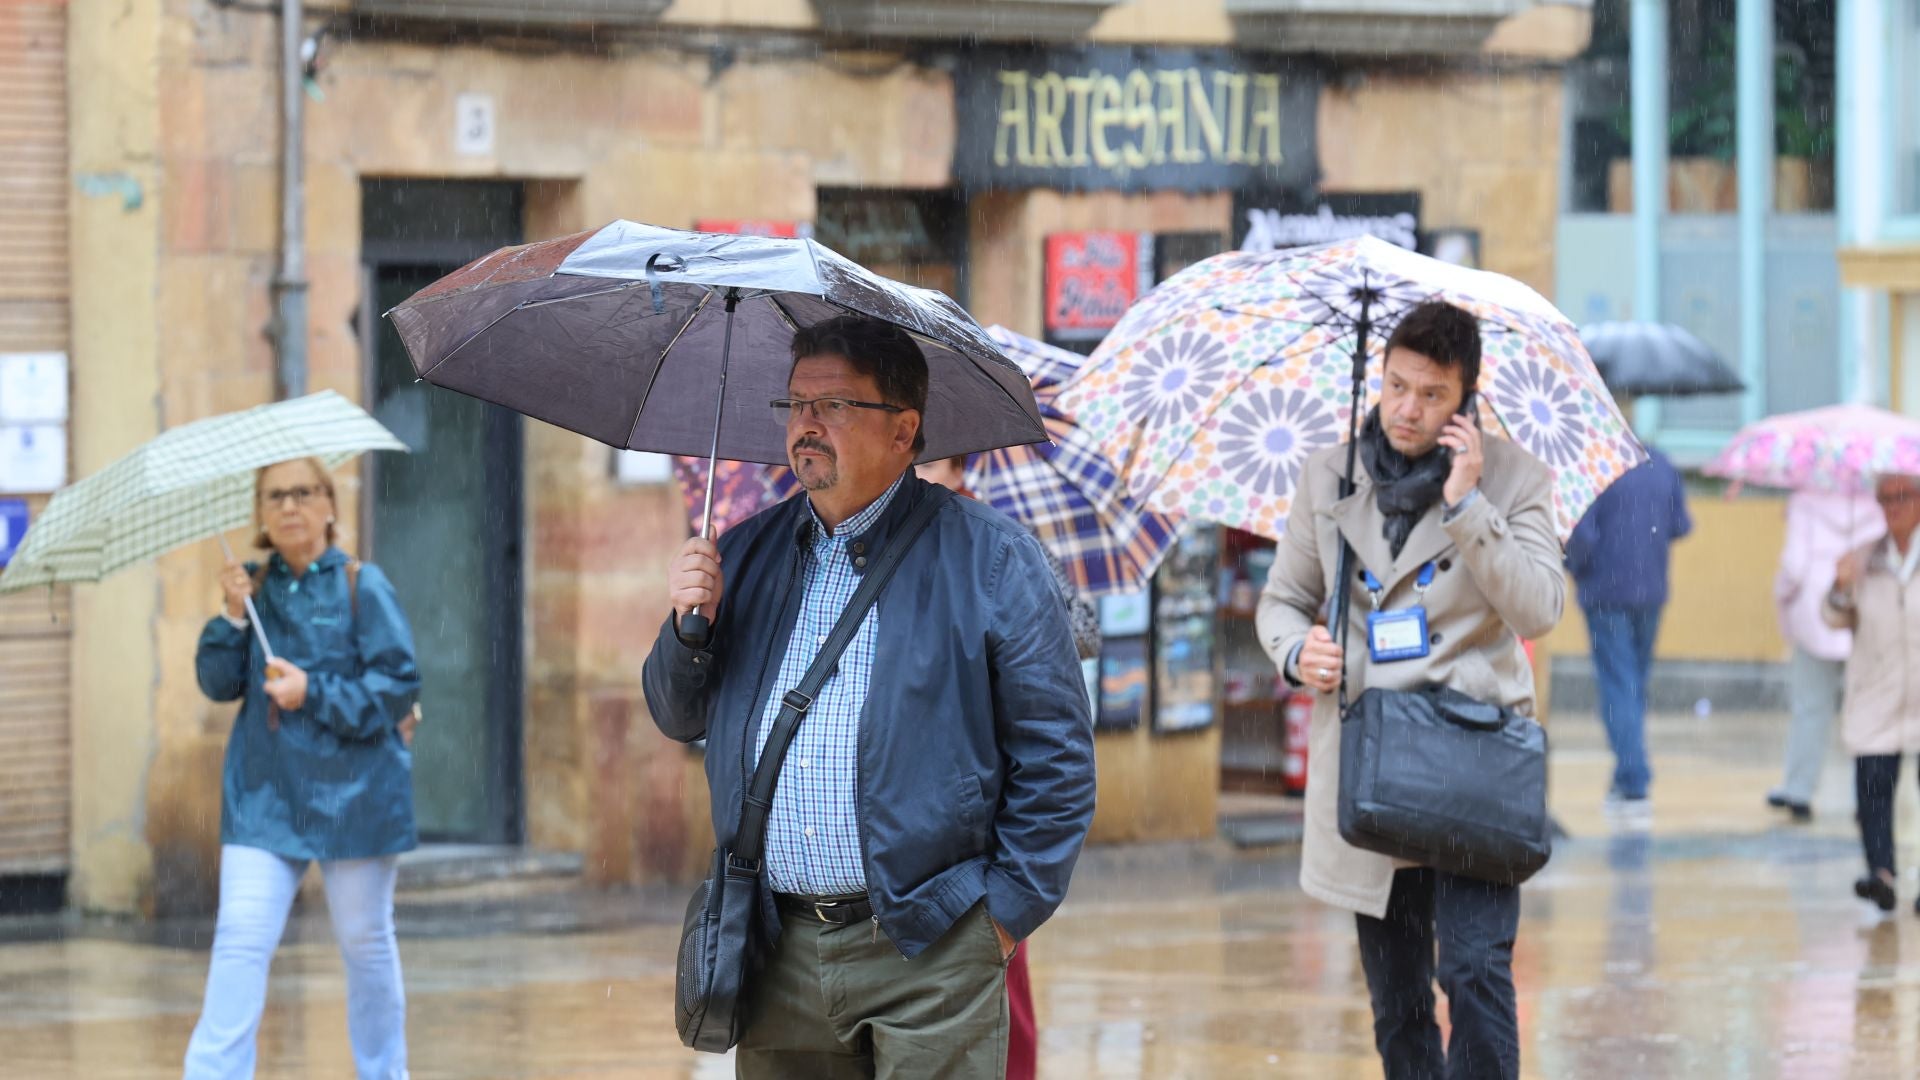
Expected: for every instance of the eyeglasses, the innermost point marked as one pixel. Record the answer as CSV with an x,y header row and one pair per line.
x,y
301,495
834,412
1896,498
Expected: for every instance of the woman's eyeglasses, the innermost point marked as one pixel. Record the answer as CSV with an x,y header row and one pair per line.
x,y
301,495
834,412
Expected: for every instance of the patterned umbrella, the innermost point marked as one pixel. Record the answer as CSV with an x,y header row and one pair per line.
x,y
1838,449
741,489
1065,491
1213,390
188,484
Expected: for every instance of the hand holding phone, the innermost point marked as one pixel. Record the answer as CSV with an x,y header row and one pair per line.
x,y
1460,440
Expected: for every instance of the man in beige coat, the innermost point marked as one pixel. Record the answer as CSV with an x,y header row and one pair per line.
x,y
1876,594
1476,519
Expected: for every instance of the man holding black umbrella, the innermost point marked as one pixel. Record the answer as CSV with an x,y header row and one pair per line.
x,y
935,796
1456,558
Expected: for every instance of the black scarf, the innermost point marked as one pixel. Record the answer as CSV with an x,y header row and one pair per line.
x,y
1406,488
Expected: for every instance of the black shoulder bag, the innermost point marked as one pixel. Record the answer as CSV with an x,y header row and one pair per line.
x,y
722,943
1442,779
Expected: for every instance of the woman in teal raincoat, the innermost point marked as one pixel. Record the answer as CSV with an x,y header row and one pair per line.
x,y
317,770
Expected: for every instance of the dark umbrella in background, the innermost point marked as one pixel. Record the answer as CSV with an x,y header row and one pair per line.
x,y
627,333
1648,359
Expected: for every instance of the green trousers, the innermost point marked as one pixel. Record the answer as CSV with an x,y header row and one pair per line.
x,y
840,1001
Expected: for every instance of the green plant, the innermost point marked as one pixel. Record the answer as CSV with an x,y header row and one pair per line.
x,y
1705,124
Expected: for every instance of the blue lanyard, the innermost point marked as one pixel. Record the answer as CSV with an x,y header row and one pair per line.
x,y
1420,584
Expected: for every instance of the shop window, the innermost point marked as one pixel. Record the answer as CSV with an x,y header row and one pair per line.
x,y
918,237
1906,111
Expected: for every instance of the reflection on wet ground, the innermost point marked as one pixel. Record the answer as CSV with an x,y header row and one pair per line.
x,y
1723,944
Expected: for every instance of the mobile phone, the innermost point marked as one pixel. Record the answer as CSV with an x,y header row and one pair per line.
x,y
1469,408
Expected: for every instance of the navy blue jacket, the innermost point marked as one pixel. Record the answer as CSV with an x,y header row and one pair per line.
x,y
334,782
1618,552
976,744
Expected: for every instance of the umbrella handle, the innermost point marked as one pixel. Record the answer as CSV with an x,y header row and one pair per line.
x,y
253,614
695,629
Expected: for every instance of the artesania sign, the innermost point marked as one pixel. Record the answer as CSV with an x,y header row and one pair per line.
x,y
1134,119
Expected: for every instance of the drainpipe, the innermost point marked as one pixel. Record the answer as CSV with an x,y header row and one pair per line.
x,y
1754,142
1647,53
290,279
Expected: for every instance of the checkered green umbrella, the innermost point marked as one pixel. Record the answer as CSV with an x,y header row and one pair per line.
x,y
190,483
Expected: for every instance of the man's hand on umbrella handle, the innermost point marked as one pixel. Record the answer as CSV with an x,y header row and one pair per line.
x,y
1847,572
286,685
1321,661
1462,436
237,585
694,580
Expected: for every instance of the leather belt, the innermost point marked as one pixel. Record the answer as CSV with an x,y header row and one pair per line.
x,y
832,910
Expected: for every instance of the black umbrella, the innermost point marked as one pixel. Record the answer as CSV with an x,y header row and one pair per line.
x,y
1646,359
625,334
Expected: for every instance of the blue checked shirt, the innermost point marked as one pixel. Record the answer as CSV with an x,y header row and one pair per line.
x,y
813,834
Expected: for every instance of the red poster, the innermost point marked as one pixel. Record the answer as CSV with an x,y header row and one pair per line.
x,y
1092,278
748,227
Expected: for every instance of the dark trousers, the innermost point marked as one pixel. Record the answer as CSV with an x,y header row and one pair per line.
x,y
1875,776
1622,639
1474,923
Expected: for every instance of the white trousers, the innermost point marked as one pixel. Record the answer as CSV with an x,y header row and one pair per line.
x,y
256,893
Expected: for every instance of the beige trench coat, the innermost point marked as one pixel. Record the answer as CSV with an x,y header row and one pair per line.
x,y
1882,710
1499,579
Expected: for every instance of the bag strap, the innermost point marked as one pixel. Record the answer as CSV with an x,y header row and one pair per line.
x,y
758,801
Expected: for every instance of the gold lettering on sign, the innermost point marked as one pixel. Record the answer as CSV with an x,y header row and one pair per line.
x,y
1049,102
1236,117
1013,120
1106,112
1213,127
1265,124
1079,86
1172,119
1186,115
1140,120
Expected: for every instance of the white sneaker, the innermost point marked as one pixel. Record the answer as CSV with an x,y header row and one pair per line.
x,y
1633,815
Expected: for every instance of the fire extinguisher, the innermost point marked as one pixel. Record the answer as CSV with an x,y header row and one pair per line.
x,y
1299,715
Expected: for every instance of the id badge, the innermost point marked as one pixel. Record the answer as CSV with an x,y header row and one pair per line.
x,y
1397,635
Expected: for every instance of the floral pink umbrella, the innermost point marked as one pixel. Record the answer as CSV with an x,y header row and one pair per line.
x,y
1839,449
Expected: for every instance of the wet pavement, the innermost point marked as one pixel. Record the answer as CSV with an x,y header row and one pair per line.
x,y
1725,943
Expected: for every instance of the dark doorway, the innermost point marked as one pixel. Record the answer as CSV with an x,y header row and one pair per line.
x,y
445,521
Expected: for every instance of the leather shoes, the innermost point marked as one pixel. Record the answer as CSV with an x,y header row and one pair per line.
x,y
1877,889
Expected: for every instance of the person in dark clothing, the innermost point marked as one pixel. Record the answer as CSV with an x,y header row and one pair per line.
x,y
934,800
1619,555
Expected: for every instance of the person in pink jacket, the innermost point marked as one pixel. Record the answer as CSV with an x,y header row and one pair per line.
x,y
1821,529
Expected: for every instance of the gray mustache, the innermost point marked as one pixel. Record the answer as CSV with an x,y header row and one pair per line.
x,y
815,445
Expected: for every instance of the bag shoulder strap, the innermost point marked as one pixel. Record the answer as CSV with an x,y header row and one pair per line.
x,y
752,836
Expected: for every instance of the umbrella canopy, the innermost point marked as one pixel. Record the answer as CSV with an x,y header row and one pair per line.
x,y
741,489
1065,491
1645,359
621,334
1837,449
188,484
1213,390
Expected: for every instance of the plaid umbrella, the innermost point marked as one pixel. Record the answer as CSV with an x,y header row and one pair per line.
x,y
741,489
188,484
1065,490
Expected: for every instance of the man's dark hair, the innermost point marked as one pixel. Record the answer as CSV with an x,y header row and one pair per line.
x,y
1444,333
879,350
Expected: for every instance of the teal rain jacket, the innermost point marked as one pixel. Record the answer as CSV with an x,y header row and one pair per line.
x,y
333,781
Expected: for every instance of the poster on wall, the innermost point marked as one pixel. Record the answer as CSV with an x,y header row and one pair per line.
x,y
750,227
1123,684
1273,219
1092,278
